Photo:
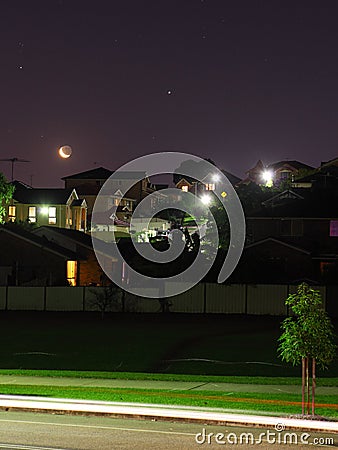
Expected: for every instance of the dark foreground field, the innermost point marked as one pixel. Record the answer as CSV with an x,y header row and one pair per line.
x,y
191,344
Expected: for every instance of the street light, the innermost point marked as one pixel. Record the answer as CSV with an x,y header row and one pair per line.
x,y
206,199
267,176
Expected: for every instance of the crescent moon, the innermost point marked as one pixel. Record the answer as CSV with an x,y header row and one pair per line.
x,y
63,154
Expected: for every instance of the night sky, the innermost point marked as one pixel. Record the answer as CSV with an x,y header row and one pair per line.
x,y
229,80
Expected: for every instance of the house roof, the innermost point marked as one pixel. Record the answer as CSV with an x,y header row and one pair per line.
x,y
21,233
101,173
42,196
284,243
293,163
79,237
231,177
317,204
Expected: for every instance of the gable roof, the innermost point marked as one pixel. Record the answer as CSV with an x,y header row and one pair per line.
x,y
282,197
101,173
317,204
55,196
20,233
79,237
279,242
293,163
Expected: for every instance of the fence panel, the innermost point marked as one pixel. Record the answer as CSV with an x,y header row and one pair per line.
x,y
2,297
267,299
64,298
225,299
25,298
191,301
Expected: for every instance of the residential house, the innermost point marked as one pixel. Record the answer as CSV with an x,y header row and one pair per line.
x,y
27,259
60,208
207,183
276,173
304,222
89,272
90,182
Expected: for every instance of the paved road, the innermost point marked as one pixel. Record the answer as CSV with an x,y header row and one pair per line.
x,y
32,431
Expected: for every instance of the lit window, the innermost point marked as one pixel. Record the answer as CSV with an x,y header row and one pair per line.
x,y
333,228
52,215
185,188
71,272
32,214
12,213
210,186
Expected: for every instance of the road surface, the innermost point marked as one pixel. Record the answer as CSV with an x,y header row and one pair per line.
x,y
37,431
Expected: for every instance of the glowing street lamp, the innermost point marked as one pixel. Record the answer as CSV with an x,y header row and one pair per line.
x,y
206,199
267,176
215,177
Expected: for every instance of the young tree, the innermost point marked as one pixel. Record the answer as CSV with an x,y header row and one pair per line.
x,y
6,192
106,298
307,337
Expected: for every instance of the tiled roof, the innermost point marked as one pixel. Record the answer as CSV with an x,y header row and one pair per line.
x,y
293,163
101,173
21,233
42,196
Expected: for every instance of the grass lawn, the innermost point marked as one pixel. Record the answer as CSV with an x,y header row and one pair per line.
x,y
199,348
240,401
190,344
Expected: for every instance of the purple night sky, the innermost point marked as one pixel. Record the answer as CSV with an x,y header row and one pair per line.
x,y
234,81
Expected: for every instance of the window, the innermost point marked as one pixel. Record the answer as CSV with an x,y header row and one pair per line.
x,y
285,174
32,214
333,228
185,188
52,215
12,213
71,272
291,227
210,186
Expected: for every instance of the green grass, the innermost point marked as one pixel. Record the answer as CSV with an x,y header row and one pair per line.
x,y
245,402
167,377
195,345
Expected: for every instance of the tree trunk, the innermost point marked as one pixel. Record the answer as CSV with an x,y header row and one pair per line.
x,y
303,385
307,386
313,384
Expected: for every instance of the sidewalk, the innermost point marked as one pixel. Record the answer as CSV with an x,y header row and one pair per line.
x,y
150,411
150,384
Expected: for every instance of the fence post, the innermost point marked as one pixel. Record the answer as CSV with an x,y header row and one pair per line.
x,y
204,298
6,299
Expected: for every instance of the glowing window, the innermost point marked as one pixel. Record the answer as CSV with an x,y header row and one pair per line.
x,y
185,188
210,186
32,214
52,215
71,272
12,213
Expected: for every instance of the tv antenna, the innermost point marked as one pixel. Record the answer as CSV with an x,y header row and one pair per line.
x,y
13,161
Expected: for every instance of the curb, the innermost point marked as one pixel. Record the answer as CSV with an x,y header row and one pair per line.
x,y
158,412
